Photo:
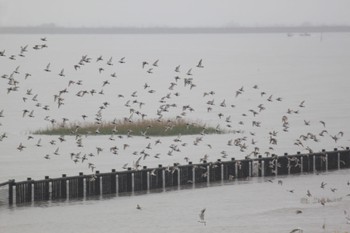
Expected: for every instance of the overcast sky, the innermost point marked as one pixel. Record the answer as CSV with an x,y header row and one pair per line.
x,y
173,13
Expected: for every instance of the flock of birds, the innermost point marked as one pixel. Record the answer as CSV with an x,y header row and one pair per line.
x,y
165,109
236,123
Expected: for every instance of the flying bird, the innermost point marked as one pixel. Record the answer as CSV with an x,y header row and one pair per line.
x,y
201,216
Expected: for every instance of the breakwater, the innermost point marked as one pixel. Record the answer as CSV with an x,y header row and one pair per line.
x,y
146,179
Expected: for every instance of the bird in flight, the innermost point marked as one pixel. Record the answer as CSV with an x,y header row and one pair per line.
x,y
47,69
200,64
201,217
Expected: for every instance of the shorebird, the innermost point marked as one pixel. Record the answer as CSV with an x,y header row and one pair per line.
x,y
109,62
144,63
20,147
308,193
189,72
99,59
56,151
150,71
62,73
199,65
201,216
323,123
47,69
296,230
156,63
122,60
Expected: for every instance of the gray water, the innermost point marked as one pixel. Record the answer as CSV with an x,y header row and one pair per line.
x,y
295,68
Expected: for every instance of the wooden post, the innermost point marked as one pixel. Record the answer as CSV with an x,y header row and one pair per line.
x,y
47,188
97,184
81,185
113,182
28,197
129,181
11,184
64,187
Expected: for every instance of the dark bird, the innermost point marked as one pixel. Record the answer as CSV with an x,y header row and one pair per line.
x,y
308,193
47,69
144,63
201,216
62,73
156,63
122,60
199,65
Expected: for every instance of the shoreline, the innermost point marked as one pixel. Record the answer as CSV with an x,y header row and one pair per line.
x,y
166,30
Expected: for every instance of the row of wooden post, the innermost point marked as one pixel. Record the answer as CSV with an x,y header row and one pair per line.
x,y
84,186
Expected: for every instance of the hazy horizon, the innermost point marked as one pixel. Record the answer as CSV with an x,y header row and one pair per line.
x,y
171,13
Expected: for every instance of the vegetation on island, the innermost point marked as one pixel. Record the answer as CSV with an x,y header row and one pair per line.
x,y
151,127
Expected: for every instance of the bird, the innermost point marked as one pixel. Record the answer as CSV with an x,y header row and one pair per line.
x,y
156,63
308,193
189,72
199,65
144,63
202,216
323,123
62,73
21,147
296,230
138,207
122,60
56,151
47,69
109,62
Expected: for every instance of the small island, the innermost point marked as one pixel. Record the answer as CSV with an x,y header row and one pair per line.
x,y
153,127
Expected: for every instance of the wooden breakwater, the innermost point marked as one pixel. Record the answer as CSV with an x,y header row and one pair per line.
x,y
146,179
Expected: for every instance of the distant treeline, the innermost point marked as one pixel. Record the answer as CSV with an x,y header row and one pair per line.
x,y
169,30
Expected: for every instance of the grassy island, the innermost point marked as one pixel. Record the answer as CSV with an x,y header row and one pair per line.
x,y
134,128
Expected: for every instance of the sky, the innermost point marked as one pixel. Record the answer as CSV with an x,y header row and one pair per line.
x,y
173,13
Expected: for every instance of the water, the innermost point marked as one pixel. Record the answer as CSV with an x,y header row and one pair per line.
x,y
296,69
